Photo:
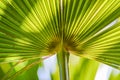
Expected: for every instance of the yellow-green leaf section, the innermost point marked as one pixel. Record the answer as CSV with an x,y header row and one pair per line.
x,y
35,28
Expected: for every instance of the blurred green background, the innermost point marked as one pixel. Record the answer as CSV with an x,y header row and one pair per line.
x,y
80,69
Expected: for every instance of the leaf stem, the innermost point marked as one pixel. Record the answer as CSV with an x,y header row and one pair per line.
x,y
63,59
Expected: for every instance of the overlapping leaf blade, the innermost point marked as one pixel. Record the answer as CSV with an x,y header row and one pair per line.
x,y
92,29
28,28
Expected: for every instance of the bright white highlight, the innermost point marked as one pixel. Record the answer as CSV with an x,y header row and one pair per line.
x,y
103,72
49,66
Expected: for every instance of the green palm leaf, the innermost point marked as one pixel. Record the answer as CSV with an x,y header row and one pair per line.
x,y
31,29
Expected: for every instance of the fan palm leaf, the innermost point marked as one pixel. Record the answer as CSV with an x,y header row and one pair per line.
x,y
31,29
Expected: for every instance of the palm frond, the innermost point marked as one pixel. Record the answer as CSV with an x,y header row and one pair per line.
x,y
92,29
28,28
32,29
